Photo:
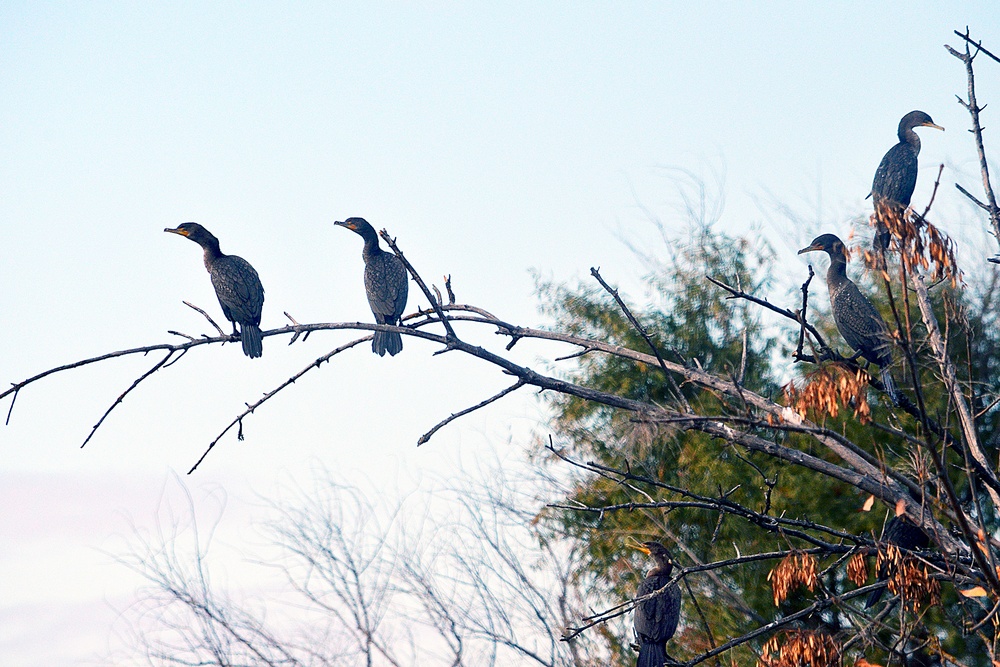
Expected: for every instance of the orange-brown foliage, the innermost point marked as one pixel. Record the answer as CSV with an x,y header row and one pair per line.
x,y
795,569
857,569
908,578
828,388
920,244
800,648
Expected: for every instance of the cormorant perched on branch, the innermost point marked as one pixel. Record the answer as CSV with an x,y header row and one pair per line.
x,y
236,284
385,283
857,320
903,534
897,174
656,618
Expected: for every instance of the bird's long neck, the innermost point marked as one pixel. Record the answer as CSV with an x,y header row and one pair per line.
x,y
662,568
836,275
908,136
211,247
371,248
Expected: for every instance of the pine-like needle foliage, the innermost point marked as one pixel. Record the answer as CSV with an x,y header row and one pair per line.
x,y
692,322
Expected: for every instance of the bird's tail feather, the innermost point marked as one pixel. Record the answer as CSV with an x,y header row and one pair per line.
x,y
880,243
874,597
387,341
652,655
890,386
253,344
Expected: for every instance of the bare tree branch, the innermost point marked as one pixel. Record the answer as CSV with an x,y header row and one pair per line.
x,y
157,366
452,417
973,108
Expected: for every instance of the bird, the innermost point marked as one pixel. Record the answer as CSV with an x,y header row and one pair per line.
x,y
857,320
903,534
656,618
236,284
385,284
896,175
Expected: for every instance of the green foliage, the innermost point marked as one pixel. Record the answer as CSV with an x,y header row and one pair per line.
x,y
692,322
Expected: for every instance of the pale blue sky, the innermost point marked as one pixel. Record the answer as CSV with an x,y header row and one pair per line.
x,y
490,139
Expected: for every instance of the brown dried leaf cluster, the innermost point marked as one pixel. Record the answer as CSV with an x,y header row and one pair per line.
x,y
920,244
795,569
828,388
857,569
908,578
800,648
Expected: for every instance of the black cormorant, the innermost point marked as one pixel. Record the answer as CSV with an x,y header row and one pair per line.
x,y
385,283
236,284
857,320
903,534
897,174
656,618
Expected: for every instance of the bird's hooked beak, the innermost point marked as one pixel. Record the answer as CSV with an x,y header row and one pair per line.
x,y
633,543
811,248
936,127
348,224
182,232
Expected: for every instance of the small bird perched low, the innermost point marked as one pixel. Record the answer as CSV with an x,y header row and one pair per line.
x,y
903,534
857,320
896,176
656,618
385,284
236,284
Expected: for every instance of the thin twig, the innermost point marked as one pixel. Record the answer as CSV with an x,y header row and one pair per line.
x,y
157,366
11,408
795,317
447,287
578,353
435,303
803,314
207,317
972,106
979,45
444,422
972,198
269,395
596,272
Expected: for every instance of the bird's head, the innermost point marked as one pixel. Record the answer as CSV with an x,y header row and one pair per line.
x,y
359,225
917,119
829,243
658,552
193,231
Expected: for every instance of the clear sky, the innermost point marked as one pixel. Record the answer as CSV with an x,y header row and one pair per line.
x,y
491,140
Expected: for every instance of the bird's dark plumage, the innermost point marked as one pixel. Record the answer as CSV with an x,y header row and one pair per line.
x,y
385,283
236,284
857,320
896,175
903,534
656,619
